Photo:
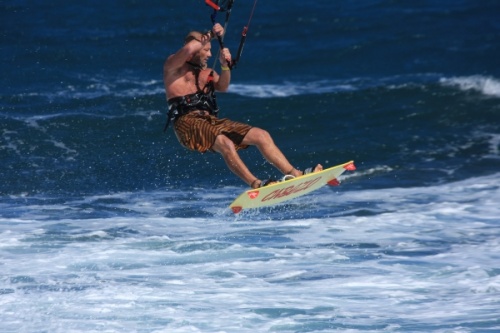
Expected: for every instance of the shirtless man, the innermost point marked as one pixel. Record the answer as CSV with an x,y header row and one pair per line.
x,y
190,86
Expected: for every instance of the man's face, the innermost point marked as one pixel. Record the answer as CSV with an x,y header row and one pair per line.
x,y
203,55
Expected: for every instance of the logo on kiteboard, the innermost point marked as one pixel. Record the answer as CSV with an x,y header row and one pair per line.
x,y
284,192
253,194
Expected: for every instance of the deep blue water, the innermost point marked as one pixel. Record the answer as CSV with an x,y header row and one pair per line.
x,y
108,224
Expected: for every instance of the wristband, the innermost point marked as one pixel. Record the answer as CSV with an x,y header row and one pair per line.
x,y
224,68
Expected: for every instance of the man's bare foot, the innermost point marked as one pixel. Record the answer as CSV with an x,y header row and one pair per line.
x,y
317,168
297,173
256,183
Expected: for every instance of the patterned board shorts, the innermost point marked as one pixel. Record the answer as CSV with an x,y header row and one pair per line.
x,y
198,130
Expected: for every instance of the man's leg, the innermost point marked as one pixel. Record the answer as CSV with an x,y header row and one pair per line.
x,y
262,139
224,146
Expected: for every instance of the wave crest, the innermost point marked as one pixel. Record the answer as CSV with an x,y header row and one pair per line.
x,y
486,85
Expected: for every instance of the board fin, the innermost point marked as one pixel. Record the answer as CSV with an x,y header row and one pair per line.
x,y
236,209
334,182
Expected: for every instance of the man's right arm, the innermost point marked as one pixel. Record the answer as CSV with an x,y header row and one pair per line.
x,y
185,53
175,61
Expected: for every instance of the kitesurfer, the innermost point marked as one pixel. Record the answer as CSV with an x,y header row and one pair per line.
x,y
190,89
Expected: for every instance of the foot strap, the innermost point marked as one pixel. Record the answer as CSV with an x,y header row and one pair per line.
x,y
268,182
309,170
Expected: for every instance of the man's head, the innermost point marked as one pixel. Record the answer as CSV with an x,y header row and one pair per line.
x,y
202,56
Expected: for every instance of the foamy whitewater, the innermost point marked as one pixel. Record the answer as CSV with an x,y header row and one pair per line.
x,y
108,225
417,259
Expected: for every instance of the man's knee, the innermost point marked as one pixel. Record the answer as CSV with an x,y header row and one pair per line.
x,y
223,145
258,136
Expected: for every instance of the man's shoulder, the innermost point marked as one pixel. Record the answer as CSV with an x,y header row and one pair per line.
x,y
169,65
167,59
175,63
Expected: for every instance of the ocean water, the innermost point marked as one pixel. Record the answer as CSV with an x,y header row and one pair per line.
x,y
108,225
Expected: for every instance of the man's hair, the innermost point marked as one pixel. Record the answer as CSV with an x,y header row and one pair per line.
x,y
192,36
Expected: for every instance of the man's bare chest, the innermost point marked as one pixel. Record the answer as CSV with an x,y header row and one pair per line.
x,y
195,80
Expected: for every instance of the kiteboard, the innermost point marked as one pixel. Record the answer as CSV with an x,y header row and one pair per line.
x,y
289,189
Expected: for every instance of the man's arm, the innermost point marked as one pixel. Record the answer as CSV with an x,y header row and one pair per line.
x,y
185,53
222,83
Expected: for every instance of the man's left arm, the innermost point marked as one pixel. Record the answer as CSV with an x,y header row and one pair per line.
x,y
222,83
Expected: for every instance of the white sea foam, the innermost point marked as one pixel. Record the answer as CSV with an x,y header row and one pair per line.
x,y
494,144
288,89
486,85
425,259
96,87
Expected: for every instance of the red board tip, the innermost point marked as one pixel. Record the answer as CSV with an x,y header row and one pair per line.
x,y
350,166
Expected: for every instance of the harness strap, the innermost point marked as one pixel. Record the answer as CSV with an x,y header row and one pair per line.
x,y
203,99
179,106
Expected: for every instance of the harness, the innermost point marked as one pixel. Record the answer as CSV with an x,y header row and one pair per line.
x,y
204,99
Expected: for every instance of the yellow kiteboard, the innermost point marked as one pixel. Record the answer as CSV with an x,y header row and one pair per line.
x,y
289,189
